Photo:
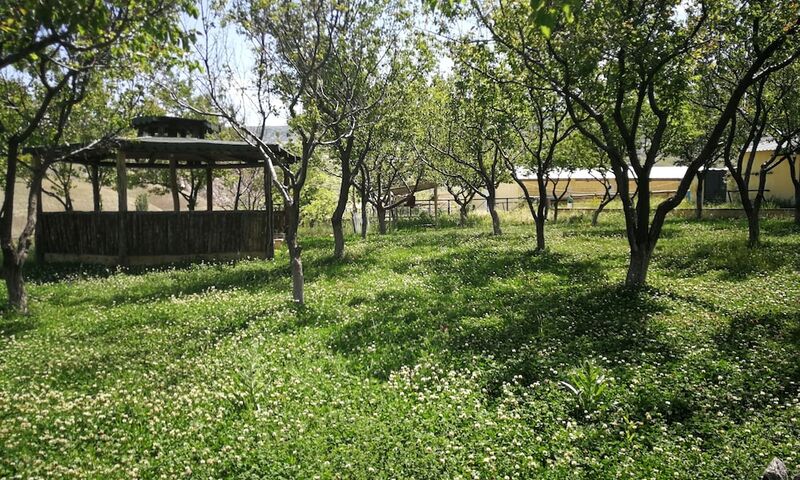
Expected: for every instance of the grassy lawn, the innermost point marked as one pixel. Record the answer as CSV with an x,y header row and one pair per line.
x,y
426,354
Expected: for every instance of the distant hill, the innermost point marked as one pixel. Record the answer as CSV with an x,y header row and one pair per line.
x,y
280,134
82,200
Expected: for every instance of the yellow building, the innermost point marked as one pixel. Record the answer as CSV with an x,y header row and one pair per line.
x,y
579,184
779,186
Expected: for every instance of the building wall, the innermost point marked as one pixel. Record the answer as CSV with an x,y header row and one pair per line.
x,y
581,188
779,181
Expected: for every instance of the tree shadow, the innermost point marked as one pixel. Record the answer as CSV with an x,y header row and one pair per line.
x,y
12,324
730,257
770,341
505,306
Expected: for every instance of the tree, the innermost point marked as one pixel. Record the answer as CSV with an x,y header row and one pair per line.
x,y
50,52
627,66
784,128
105,112
385,173
537,121
462,133
602,174
365,42
290,42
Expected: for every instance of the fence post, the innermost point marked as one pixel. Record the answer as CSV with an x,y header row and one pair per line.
x,y
122,207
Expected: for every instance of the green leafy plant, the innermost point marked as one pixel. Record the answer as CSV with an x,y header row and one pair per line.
x,y
141,202
588,384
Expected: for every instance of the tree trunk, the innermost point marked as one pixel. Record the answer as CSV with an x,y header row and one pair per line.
x,y
796,182
381,220
596,214
237,198
12,273
295,253
98,206
540,240
338,235
638,266
490,203
364,215
699,197
338,215
173,184
555,210
797,205
462,215
753,228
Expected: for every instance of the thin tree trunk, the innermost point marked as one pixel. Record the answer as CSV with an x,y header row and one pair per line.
x,y
338,215
238,196
381,220
555,210
699,197
597,212
12,273
753,229
12,259
796,182
638,265
797,204
462,215
173,185
540,240
364,214
490,203
295,253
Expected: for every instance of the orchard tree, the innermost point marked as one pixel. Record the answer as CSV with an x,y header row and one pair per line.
x,y
352,88
784,128
537,121
462,135
290,44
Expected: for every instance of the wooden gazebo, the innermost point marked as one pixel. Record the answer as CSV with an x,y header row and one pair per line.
x,y
143,237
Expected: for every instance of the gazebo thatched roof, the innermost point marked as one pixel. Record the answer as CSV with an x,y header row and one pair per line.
x,y
156,152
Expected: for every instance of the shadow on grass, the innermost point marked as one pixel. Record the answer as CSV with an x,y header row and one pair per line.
x,y
247,275
730,257
770,343
490,303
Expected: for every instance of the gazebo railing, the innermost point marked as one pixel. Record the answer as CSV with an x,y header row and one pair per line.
x,y
152,237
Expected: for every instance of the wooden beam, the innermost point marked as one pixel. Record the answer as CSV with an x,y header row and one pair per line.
x,y
122,208
95,177
178,165
173,183
270,225
36,166
210,186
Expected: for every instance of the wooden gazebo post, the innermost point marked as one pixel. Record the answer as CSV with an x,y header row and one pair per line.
x,y
173,183
210,186
95,174
36,166
122,208
270,224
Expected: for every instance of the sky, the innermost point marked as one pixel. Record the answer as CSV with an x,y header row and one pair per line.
x,y
241,60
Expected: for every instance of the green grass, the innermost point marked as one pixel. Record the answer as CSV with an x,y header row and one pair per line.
x,y
425,354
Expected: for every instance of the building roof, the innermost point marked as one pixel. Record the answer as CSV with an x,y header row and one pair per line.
x,y
179,125
765,145
657,173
